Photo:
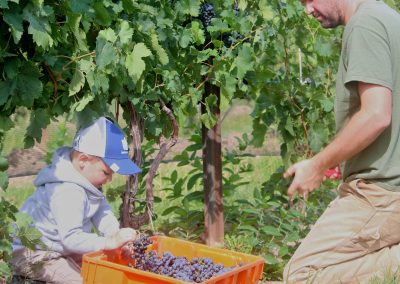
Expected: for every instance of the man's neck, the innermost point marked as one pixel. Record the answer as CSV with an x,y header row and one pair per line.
x,y
350,8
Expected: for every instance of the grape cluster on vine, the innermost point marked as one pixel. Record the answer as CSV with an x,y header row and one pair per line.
x,y
207,13
236,8
197,270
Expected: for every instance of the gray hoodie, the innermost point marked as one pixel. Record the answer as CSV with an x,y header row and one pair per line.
x,y
66,206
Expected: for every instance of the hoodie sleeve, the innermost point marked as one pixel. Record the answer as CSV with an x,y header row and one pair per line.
x,y
67,205
104,220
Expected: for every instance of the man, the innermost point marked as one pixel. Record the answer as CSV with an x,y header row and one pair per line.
x,y
359,234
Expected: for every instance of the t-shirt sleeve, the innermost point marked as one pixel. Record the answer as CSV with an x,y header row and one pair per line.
x,y
368,57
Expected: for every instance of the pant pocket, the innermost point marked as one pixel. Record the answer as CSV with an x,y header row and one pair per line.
x,y
367,239
383,229
390,228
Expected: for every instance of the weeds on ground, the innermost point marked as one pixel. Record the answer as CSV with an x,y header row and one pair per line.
x,y
389,277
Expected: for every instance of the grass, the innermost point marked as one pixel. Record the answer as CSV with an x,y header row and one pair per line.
x,y
264,166
237,119
18,193
21,188
389,277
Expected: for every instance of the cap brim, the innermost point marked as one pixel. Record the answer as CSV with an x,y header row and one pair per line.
x,y
122,166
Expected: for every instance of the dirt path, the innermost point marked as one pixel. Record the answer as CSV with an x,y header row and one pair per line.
x,y
26,162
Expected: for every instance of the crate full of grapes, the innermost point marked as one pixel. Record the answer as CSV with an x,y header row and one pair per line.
x,y
161,260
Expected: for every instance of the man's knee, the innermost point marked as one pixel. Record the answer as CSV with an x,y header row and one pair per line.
x,y
299,275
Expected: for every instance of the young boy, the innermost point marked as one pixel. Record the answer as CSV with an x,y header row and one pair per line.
x,y
69,201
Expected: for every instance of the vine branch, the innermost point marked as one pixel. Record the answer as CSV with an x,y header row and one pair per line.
x,y
136,221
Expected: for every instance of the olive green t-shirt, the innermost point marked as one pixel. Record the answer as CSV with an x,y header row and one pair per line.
x,y
371,54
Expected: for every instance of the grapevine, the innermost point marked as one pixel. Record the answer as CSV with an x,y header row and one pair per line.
x,y
196,270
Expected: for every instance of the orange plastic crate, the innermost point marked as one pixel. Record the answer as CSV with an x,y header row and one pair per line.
x,y
109,267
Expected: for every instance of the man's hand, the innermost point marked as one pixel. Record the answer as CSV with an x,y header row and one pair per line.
x,y
121,237
307,177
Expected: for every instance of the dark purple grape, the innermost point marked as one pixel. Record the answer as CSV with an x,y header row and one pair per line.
x,y
236,8
179,267
206,14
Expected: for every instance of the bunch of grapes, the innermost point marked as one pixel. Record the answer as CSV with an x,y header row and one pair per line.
x,y
136,250
206,14
236,8
179,267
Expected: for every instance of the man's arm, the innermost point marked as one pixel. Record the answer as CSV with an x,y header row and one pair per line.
x,y
361,130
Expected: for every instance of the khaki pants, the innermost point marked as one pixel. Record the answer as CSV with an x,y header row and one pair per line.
x,y
51,267
355,239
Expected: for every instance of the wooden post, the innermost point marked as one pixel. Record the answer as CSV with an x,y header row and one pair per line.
x,y
212,169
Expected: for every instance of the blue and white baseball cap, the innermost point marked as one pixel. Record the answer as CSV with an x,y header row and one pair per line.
x,y
104,139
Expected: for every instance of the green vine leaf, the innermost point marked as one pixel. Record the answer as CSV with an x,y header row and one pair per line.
x,y
244,61
185,38
78,81
3,180
134,62
101,14
188,7
197,33
108,35
289,126
39,26
203,55
105,54
259,131
266,10
79,6
162,54
74,21
14,19
269,230
209,120
4,4
39,120
7,88
83,102
29,86
218,26
228,86
125,33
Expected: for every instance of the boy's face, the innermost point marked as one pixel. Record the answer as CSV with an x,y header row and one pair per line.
x,y
95,170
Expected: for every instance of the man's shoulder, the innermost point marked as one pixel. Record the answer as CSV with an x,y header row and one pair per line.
x,y
375,12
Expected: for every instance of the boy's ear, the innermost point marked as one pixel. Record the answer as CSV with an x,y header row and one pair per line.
x,y
82,159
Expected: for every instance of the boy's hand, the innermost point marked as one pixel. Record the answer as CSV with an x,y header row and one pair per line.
x,y
117,240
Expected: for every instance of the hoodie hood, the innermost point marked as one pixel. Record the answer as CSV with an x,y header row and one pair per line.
x,y
61,170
